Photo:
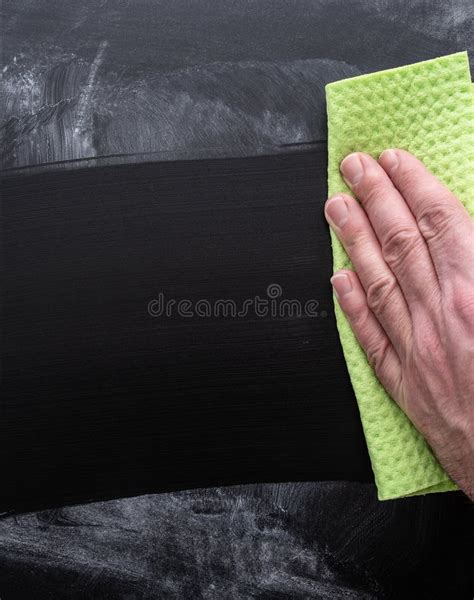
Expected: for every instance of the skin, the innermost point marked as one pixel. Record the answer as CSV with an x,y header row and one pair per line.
x,y
411,302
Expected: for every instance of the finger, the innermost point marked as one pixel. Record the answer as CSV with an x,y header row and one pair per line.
x,y
370,334
384,296
403,247
442,219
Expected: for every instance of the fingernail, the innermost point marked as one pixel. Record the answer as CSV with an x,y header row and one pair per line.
x,y
342,284
336,211
389,160
351,168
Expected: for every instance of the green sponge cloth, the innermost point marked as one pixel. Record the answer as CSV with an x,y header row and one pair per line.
x,y
428,109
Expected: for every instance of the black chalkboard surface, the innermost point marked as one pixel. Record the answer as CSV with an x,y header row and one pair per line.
x,y
112,388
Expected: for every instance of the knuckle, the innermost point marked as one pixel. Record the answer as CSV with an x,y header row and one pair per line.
x,y
399,243
372,188
408,177
360,317
376,352
356,236
437,219
379,292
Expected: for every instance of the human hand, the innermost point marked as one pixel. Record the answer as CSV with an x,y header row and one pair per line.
x,y
411,303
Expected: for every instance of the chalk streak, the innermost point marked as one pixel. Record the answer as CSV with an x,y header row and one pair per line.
x,y
86,95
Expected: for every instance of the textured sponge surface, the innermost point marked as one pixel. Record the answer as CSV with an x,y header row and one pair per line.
x,y
428,109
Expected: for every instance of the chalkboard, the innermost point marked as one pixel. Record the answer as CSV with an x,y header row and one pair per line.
x,y
115,83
